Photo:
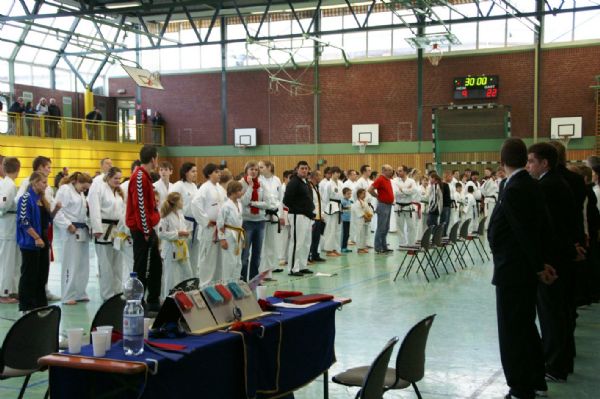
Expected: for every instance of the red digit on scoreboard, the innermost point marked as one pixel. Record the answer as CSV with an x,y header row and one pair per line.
x,y
464,93
491,93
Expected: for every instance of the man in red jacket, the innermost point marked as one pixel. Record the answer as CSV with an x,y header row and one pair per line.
x,y
141,217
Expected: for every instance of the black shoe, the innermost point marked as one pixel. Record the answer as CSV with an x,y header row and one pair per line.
x,y
387,250
319,259
269,279
306,271
297,274
554,378
277,270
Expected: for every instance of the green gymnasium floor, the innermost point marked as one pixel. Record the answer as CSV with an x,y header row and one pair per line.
x,y
462,352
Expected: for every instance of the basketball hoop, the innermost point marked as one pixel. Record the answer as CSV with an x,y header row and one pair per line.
x,y
435,55
362,146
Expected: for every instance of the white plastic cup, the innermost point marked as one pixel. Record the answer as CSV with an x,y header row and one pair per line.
x,y
99,342
108,330
74,338
147,324
261,292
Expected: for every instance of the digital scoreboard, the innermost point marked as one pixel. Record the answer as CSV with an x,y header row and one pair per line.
x,y
476,87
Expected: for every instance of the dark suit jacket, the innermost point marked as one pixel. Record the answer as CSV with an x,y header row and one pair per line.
x,y
515,232
562,230
577,185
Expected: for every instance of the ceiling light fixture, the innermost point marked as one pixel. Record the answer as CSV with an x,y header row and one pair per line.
x,y
122,4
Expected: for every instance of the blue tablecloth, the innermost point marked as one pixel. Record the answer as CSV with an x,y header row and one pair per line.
x,y
298,346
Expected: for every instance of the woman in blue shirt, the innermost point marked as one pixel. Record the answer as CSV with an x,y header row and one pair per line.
x,y
33,220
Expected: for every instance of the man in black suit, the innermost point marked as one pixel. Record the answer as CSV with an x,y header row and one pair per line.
x,y
560,238
515,235
577,186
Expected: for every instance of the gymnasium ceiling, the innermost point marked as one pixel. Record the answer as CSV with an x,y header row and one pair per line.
x,y
84,35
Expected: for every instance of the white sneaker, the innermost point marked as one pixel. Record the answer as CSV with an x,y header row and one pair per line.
x,y
51,297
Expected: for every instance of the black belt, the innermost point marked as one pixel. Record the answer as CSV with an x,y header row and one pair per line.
x,y
12,212
402,205
453,204
340,211
273,212
111,224
491,196
194,227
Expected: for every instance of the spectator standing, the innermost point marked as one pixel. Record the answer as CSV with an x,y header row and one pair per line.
x,y
382,190
158,123
141,217
16,109
54,115
91,127
60,175
30,116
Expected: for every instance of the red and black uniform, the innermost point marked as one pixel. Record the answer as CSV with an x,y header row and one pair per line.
x,y
141,217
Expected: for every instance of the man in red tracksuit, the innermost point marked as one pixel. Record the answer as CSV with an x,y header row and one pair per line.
x,y
141,217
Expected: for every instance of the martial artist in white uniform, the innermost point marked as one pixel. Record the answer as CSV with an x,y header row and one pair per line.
x,y
163,186
364,182
97,181
404,190
470,211
172,231
71,229
107,210
9,250
205,208
333,226
360,212
187,188
489,193
229,225
269,258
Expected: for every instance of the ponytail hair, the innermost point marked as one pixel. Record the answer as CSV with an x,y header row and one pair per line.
x,y
77,177
170,204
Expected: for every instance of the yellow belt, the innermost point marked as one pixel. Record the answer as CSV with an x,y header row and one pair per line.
x,y
241,239
181,250
122,236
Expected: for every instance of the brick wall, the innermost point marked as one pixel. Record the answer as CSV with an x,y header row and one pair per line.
x,y
383,93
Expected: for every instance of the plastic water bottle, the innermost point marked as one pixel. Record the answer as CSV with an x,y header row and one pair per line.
x,y
133,317
133,328
133,289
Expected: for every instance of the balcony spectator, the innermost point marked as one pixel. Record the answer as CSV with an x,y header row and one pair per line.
x,y
16,108
92,129
42,107
157,126
30,117
53,123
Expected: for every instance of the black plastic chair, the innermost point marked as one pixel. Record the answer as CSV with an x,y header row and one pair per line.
x,y
33,336
477,237
410,362
421,247
186,285
110,313
463,238
372,380
451,242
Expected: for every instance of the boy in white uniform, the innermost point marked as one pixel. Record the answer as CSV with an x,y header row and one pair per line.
x,y
163,186
285,229
231,233
333,209
9,250
205,207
